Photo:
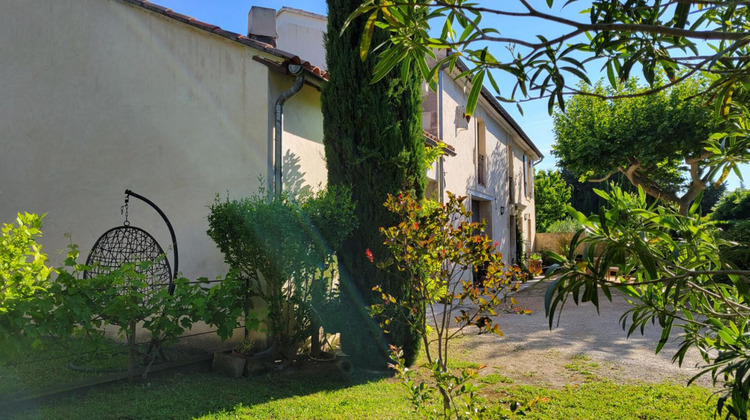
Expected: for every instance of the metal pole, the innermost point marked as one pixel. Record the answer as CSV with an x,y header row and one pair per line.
x,y
171,233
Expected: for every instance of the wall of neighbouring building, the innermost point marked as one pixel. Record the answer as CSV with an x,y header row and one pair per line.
x,y
301,33
556,242
99,95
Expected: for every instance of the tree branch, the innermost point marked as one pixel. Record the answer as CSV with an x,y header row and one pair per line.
x,y
697,183
606,177
648,186
591,27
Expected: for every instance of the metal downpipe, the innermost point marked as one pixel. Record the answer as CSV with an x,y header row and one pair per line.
x,y
278,115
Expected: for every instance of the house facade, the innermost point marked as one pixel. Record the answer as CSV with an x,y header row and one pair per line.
x,y
490,160
493,162
100,96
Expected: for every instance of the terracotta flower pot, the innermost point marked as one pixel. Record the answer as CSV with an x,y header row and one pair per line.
x,y
535,266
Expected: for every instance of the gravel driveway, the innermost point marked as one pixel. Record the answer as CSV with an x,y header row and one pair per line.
x,y
584,345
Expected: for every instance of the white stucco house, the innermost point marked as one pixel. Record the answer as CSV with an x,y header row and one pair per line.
x,y
493,164
100,96
491,158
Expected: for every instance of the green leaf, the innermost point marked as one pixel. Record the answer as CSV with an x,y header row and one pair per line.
x,y
550,300
696,204
726,337
387,61
665,332
476,88
681,14
580,74
611,75
364,45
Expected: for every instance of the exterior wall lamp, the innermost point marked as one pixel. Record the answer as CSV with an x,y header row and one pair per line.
x,y
502,210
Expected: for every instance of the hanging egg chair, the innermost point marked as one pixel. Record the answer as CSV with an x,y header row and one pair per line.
x,y
131,245
128,244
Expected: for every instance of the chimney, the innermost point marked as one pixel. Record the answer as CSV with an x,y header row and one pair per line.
x,y
261,25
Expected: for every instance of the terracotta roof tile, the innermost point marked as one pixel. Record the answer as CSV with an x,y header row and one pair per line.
x,y
203,25
155,7
435,139
226,34
179,16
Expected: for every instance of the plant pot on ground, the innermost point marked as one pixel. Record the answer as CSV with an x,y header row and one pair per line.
x,y
534,264
229,363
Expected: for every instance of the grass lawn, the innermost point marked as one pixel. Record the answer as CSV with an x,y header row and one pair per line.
x,y
325,392
338,395
606,400
38,368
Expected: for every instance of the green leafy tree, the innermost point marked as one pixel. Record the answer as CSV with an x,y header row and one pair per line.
x,y
551,195
733,206
733,216
655,141
619,37
83,306
374,145
280,249
583,197
711,196
585,200
34,306
23,274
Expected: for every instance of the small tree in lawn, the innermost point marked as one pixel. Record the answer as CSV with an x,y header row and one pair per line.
x,y
436,246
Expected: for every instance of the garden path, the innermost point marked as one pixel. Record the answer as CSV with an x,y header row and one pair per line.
x,y
583,346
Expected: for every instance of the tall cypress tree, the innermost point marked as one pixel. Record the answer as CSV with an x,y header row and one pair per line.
x,y
374,145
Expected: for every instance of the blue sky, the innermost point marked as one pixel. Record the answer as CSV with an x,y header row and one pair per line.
x,y
535,121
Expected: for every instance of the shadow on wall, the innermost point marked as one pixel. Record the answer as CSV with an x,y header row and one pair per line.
x,y
292,177
495,179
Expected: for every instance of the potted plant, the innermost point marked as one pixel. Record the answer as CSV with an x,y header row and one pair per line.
x,y
534,263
